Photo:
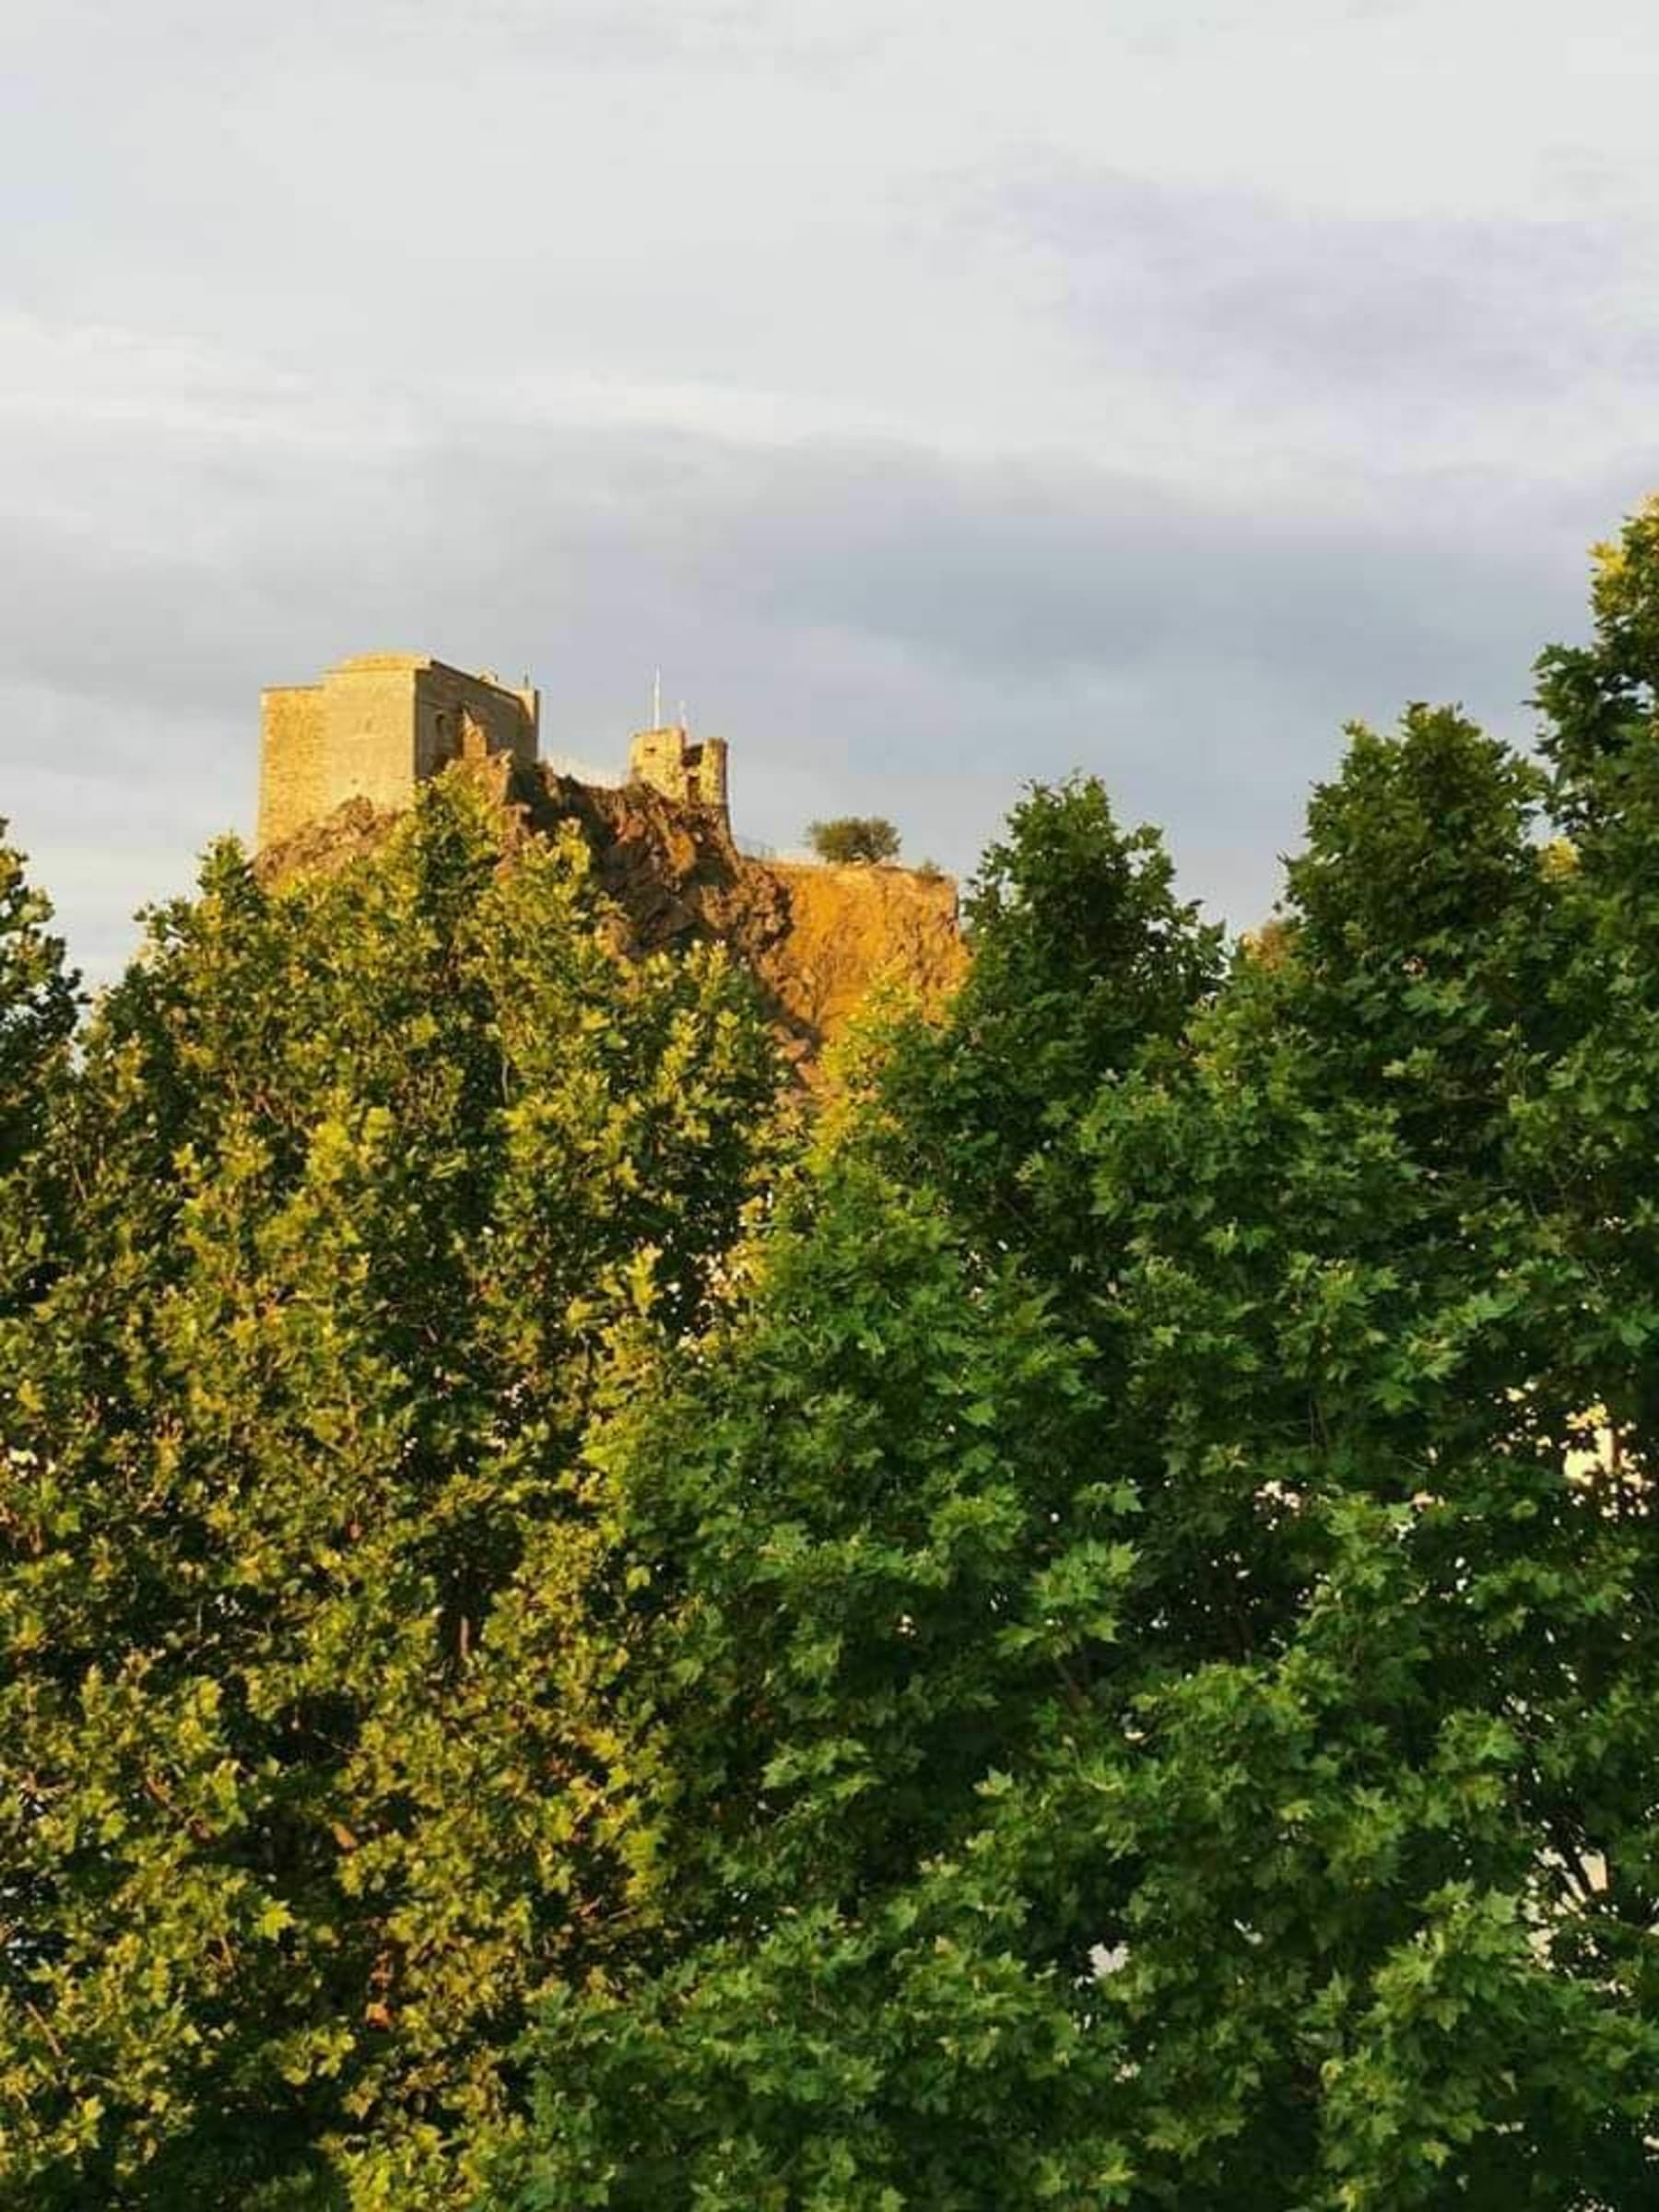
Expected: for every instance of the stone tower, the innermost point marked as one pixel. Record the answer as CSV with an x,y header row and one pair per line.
x,y
374,728
692,773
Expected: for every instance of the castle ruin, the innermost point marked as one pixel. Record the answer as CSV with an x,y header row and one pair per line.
x,y
374,728
691,773
378,725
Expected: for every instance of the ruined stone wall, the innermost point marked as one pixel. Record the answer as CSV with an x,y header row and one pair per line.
x,y
374,727
448,703
292,787
368,730
708,771
690,774
657,759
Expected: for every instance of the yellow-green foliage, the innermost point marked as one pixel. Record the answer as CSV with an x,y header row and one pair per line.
x,y
309,1774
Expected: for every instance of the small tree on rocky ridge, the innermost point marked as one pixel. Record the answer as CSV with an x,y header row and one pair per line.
x,y
860,839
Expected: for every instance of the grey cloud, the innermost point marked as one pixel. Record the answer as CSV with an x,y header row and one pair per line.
x,y
1307,305
309,314
871,624
389,30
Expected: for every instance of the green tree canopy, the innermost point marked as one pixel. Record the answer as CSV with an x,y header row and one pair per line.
x,y
37,1005
310,1775
1084,957
1287,1834
858,838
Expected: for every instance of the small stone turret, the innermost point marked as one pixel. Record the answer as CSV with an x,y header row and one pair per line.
x,y
692,773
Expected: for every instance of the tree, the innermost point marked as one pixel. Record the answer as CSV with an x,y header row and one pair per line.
x,y
858,839
1084,959
1385,1601
37,1002
1268,1818
311,1771
865,1557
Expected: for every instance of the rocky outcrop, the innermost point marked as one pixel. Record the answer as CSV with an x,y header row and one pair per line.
x,y
848,928
816,938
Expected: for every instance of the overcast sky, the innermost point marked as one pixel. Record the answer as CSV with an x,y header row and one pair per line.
x,y
944,393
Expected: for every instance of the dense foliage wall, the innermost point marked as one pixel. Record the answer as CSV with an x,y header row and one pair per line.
x,y
1188,1734
1081,1634
309,1773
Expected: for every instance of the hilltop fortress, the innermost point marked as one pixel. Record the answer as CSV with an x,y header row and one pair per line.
x,y
376,725
341,758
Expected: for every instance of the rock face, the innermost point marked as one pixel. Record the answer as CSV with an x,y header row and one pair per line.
x,y
817,939
847,928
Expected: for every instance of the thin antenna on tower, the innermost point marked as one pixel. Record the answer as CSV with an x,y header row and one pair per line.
x,y
656,700
683,722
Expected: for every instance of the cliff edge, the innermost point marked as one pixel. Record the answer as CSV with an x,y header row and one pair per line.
x,y
816,939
